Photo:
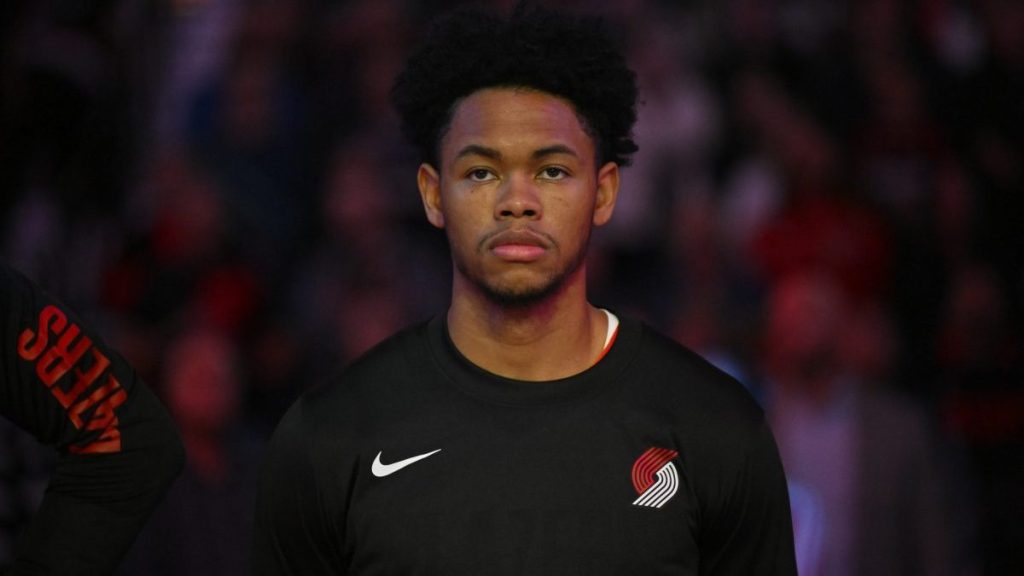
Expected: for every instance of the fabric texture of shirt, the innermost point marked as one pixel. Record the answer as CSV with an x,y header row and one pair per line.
x,y
416,461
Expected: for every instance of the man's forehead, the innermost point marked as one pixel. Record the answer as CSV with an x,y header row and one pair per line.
x,y
504,119
497,154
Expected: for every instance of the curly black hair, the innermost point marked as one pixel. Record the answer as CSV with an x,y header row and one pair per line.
x,y
568,56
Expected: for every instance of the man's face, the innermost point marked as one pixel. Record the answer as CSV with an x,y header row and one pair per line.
x,y
517,192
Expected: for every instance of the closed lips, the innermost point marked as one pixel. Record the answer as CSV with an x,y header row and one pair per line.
x,y
518,237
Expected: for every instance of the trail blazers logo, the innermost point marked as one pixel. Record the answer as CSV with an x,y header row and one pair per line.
x,y
655,477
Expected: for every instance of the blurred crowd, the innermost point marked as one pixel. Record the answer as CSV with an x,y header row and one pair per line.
x,y
828,203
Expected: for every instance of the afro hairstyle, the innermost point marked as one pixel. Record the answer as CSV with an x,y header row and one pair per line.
x,y
568,56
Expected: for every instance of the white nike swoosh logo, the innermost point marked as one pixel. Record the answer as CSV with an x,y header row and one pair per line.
x,y
381,470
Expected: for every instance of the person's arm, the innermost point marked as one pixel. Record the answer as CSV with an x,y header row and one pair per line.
x,y
751,532
118,450
294,533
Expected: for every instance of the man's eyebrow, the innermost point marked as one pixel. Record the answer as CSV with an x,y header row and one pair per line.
x,y
555,149
478,150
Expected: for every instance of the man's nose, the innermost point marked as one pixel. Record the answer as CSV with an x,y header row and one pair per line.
x,y
519,199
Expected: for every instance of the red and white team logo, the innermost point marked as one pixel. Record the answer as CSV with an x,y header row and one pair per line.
x,y
655,477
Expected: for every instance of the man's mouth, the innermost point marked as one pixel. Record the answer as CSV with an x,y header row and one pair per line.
x,y
518,245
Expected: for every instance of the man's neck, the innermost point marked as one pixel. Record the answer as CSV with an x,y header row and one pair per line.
x,y
557,337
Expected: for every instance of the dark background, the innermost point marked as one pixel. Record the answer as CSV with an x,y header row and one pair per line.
x,y
220,188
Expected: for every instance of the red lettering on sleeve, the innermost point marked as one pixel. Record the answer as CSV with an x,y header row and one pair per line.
x,y
108,443
103,418
62,356
82,379
54,359
75,413
31,344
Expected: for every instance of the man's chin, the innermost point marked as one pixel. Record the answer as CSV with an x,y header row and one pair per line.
x,y
520,288
519,296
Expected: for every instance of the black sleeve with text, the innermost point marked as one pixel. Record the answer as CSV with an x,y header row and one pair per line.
x,y
118,450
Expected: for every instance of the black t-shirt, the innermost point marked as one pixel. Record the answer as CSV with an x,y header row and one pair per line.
x,y
117,447
418,462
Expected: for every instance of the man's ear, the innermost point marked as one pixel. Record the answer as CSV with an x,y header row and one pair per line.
x,y
607,193
429,182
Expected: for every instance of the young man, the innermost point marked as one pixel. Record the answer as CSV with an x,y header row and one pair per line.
x,y
118,448
525,431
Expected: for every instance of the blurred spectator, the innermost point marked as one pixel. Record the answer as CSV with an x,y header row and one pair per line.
x,y
358,63
371,271
865,455
182,268
981,371
989,109
198,36
678,127
204,526
711,302
248,128
64,152
819,227
906,167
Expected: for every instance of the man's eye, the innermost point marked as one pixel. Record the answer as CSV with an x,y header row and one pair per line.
x,y
480,175
553,173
